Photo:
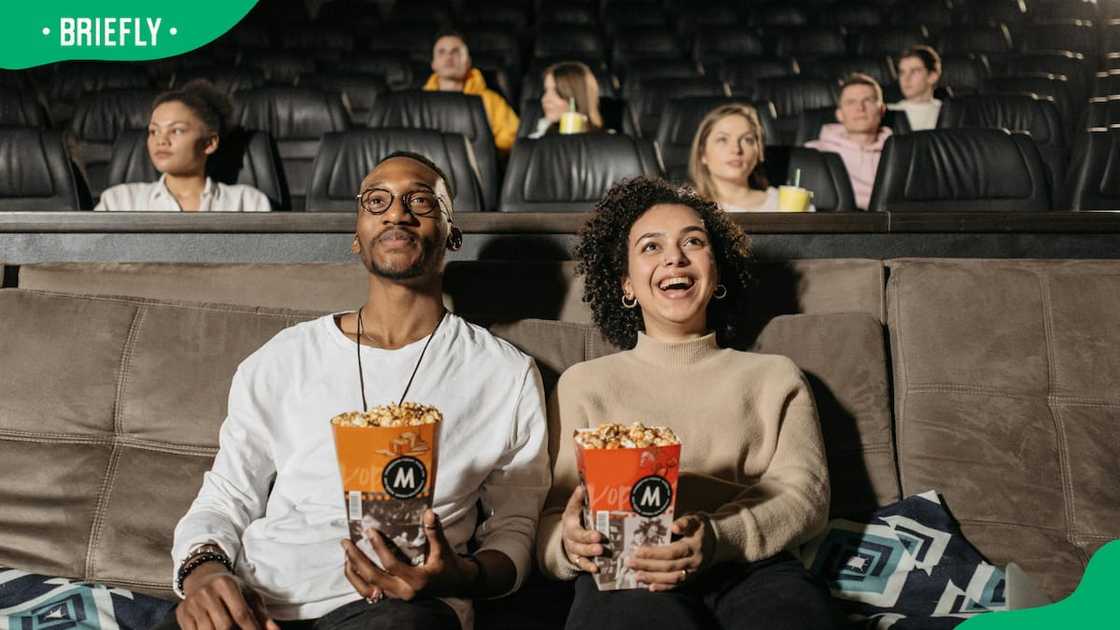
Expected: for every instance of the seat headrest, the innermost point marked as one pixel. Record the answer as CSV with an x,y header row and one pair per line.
x,y
571,173
723,42
792,95
778,14
1015,112
280,67
581,41
101,117
811,41
345,158
888,41
975,39
963,72
953,169
19,108
446,111
837,68
228,80
289,113
35,171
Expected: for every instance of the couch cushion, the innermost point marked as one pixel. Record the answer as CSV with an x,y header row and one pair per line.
x,y
843,355
1005,376
109,415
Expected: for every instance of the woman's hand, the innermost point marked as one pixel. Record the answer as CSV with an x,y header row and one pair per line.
x,y
581,545
666,567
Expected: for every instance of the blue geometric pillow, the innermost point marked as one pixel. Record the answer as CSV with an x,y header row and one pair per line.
x,y
39,602
909,567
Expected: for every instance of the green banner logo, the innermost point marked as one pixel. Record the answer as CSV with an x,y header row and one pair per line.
x,y
1091,605
111,30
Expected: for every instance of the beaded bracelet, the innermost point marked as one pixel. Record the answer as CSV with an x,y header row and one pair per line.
x,y
198,560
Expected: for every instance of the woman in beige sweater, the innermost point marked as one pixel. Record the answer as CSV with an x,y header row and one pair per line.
x,y
666,277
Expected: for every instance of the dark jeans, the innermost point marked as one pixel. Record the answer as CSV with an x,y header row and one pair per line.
x,y
775,594
388,614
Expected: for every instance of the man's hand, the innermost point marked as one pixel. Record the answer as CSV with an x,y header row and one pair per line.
x,y
667,566
218,600
581,545
443,571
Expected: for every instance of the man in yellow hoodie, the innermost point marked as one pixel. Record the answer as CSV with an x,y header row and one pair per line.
x,y
451,65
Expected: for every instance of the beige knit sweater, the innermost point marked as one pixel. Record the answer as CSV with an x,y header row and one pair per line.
x,y
752,459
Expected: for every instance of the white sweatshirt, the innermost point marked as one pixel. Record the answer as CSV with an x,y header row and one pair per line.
x,y
286,544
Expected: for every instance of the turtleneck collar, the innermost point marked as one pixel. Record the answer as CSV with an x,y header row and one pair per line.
x,y
675,353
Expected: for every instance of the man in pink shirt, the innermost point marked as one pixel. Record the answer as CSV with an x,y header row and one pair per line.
x,y
860,136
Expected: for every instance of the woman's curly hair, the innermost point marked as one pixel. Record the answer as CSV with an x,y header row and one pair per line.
x,y
602,257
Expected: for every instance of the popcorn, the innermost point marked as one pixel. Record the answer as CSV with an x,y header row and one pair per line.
x,y
613,435
407,414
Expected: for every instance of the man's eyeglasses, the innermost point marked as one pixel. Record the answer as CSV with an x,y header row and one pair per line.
x,y
420,203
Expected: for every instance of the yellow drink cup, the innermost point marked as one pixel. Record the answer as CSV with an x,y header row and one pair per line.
x,y
794,199
573,122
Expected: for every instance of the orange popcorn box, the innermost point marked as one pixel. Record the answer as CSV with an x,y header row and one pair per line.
x,y
631,493
388,475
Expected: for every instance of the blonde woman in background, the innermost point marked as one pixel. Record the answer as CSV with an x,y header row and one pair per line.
x,y
726,159
564,82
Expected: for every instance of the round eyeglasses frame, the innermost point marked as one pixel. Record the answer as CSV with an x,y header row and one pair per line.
x,y
406,199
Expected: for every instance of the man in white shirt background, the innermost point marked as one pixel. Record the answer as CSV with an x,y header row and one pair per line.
x,y
265,543
919,70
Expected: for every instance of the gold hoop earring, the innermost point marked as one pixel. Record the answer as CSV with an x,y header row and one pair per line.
x,y
720,293
633,301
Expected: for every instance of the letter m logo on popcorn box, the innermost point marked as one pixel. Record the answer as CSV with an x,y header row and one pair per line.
x,y
630,473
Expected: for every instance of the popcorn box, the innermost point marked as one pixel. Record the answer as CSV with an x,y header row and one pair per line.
x,y
631,494
388,476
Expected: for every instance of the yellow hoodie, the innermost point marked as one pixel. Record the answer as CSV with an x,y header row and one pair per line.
x,y
503,120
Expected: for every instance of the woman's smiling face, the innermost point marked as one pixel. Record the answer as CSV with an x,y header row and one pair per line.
x,y
671,271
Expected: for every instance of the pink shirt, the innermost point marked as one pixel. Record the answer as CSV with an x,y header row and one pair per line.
x,y
861,160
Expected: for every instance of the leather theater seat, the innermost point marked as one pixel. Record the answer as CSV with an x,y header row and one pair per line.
x,y
452,112
1094,176
346,157
887,40
648,102
295,118
228,80
957,170
244,157
579,42
19,108
280,68
714,44
98,120
570,173
681,119
744,73
358,92
963,74
838,68
636,44
1029,114
793,95
36,172
809,41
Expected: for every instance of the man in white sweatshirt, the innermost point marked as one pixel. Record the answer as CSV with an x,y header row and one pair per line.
x,y
266,543
919,70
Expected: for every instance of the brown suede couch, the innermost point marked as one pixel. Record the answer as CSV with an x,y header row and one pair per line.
x,y
993,382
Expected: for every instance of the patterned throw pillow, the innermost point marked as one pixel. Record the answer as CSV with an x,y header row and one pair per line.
x,y
38,602
908,567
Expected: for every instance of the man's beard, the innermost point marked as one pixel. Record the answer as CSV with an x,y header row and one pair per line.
x,y
415,270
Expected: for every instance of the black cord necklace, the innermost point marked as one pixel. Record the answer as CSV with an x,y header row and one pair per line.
x,y
361,378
